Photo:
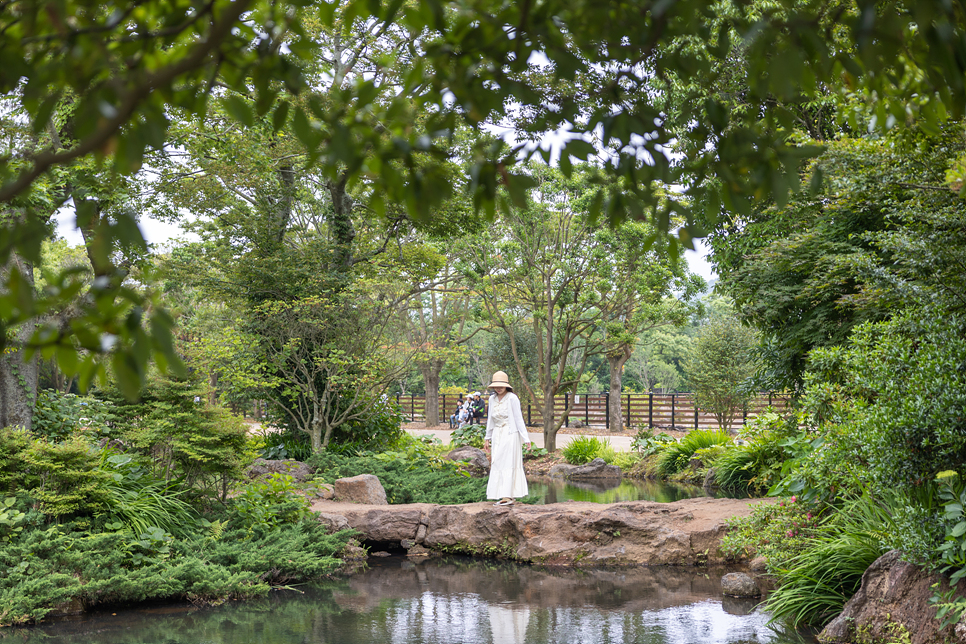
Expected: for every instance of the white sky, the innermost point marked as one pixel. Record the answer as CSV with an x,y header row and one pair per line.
x,y
158,233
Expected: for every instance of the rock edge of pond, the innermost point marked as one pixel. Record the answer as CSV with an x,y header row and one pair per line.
x,y
686,532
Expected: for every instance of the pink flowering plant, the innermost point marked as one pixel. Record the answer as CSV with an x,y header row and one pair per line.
x,y
775,530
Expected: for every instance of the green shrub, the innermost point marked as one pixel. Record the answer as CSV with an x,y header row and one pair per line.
x,y
626,460
608,453
583,449
58,416
472,435
407,478
776,531
12,519
646,442
64,478
183,438
271,501
61,563
676,456
283,445
952,552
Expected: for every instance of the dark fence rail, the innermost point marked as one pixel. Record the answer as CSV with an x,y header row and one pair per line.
x,y
661,411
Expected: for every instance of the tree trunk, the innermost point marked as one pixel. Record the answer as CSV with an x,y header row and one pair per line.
x,y
549,425
18,377
18,384
342,229
616,385
315,432
212,389
431,373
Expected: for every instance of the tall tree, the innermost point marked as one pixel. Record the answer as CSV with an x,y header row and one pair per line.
x,y
643,285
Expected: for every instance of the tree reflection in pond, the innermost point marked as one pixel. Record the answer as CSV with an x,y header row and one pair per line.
x,y
547,490
451,600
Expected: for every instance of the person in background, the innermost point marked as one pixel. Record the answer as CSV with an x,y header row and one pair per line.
x,y
507,434
464,415
478,407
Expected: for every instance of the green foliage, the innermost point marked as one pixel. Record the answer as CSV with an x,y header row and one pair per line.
x,y
953,550
64,479
771,444
608,453
815,584
753,467
11,519
531,452
777,531
183,437
139,501
271,501
282,445
584,449
676,456
625,460
807,273
45,568
646,442
472,435
406,477
58,416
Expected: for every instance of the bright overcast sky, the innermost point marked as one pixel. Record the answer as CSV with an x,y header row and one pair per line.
x,y
156,232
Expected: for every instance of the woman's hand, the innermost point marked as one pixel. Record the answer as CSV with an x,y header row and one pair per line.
x,y
486,445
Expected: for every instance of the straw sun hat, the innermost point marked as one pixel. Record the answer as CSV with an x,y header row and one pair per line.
x,y
500,380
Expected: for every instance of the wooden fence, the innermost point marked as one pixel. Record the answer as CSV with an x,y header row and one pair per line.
x,y
660,411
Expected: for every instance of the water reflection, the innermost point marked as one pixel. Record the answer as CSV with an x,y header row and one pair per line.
x,y
451,600
549,490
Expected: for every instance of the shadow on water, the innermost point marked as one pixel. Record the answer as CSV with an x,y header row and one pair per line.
x,y
549,490
452,600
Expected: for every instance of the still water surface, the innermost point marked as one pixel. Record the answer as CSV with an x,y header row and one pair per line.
x,y
549,490
452,601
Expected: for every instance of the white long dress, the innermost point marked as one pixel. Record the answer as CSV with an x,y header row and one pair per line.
x,y
506,432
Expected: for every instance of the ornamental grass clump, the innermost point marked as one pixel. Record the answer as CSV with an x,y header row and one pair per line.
x,y
584,449
753,467
815,583
676,456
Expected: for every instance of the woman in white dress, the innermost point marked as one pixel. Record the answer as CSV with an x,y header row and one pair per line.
x,y
507,433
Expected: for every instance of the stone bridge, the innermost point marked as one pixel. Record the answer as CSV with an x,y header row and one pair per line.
x,y
686,532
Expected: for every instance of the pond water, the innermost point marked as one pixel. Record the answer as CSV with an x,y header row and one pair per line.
x,y
451,601
549,490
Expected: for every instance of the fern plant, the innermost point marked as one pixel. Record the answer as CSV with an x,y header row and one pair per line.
x,y
677,455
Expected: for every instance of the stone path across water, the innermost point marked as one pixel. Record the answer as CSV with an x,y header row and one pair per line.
x,y
686,532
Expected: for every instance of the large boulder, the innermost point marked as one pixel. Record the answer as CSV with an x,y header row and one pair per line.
x,y
596,469
477,464
739,584
296,469
893,605
364,488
